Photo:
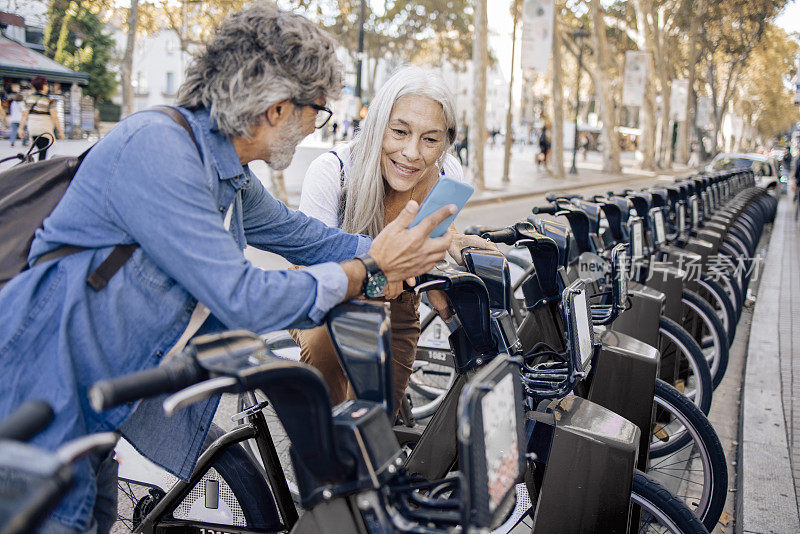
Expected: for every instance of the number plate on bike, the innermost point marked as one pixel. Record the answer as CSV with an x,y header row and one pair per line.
x,y
637,238
658,226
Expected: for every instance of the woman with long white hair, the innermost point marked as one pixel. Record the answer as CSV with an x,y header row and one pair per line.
x,y
398,155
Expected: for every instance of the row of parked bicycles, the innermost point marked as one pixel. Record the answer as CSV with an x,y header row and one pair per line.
x,y
568,395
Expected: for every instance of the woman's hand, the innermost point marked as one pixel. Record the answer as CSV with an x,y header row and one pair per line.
x,y
441,304
393,290
462,241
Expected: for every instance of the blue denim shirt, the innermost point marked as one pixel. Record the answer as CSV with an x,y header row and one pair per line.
x,y
146,183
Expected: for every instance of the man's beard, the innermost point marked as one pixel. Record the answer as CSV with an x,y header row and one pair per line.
x,y
282,150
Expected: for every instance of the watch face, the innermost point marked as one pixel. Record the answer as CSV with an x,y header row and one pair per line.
x,y
375,285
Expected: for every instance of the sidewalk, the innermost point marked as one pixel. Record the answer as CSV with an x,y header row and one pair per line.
x,y
770,427
525,179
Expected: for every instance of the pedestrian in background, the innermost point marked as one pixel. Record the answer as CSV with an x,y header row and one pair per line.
x,y
16,105
463,144
41,117
544,148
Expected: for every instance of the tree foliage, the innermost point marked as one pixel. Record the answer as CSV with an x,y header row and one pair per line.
x,y
76,37
763,96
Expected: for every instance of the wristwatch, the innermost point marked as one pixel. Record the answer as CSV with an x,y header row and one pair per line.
x,y
375,282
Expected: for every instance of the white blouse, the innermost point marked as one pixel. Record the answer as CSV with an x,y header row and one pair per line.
x,y
322,187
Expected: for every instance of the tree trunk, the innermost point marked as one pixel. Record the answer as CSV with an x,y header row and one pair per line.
x,y
611,161
683,134
127,60
557,141
279,186
480,60
647,113
665,145
509,140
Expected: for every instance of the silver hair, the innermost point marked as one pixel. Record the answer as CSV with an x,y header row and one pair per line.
x,y
258,57
364,192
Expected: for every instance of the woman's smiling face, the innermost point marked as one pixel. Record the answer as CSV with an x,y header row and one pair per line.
x,y
414,140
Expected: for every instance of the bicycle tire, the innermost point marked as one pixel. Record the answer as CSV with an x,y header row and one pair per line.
x,y
698,432
720,300
718,364
734,293
674,333
658,503
235,471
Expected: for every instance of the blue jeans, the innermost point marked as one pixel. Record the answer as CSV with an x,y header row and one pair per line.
x,y
13,135
105,504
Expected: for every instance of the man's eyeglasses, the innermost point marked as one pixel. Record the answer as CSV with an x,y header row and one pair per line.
x,y
324,114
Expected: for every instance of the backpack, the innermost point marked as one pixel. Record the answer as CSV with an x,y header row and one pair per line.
x,y
29,192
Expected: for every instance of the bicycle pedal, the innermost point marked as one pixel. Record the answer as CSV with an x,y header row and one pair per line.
x,y
680,385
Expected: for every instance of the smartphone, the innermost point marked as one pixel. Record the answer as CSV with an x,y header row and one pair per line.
x,y
445,191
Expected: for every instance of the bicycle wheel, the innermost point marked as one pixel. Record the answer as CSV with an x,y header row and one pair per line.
x,y
244,497
723,305
686,455
695,375
707,330
662,511
431,377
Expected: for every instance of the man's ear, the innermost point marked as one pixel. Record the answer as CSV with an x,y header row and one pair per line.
x,y
278,112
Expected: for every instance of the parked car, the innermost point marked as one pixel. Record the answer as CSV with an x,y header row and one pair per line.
x,y
765,167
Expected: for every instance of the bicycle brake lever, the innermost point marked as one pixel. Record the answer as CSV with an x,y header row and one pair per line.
x,y
197,392
427,285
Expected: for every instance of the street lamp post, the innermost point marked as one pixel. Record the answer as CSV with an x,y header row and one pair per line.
x,y
578,34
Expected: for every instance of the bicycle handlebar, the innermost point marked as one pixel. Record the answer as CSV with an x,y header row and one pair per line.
x,y
507,236
26,421
547,210
169,378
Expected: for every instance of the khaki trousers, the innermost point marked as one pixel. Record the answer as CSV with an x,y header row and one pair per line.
x,y
316,348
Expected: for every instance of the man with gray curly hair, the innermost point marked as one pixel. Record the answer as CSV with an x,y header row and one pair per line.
x,y
180,205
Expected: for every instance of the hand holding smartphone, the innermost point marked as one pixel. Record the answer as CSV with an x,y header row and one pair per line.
x,y
445,191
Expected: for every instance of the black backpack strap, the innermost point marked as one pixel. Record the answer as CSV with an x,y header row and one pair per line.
x,y
113,263
177,116
341,168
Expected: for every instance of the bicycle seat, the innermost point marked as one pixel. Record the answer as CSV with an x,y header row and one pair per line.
x,y
363,340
